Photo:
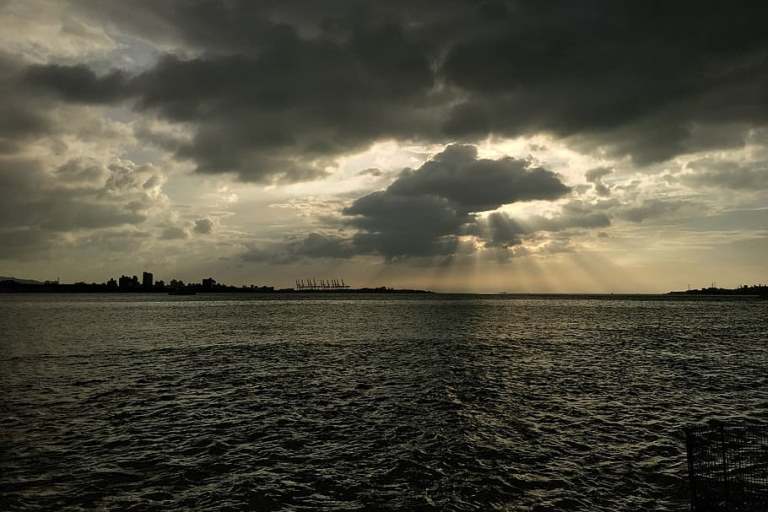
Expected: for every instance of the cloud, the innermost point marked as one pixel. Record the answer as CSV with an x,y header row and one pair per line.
x,y
277,92
33,118
725,174
424,212
43,30
478,184
39,205
503,231
77,83
313,246
173,233
23,117
651,208
281,111
26,243
203,226
624,77
80,172
738,220
120,241
406,225
498,229
60,179
573,215
595,176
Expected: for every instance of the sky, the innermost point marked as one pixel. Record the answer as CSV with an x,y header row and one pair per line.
x,y
480,146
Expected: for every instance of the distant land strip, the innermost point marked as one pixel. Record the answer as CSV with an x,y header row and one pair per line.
x,y
14,285
755,290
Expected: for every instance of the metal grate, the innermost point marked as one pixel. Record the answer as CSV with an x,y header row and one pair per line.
x,y
728,467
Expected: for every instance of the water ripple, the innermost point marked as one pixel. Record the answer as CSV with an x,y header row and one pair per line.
x,y
438,404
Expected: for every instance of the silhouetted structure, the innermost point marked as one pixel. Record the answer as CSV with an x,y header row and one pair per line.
x,y
128,283
755,290
321,285
728,467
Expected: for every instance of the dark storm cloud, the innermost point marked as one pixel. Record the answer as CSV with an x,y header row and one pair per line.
x,y
77,83
278,90
285,111
478,185
425,211
281,110
404,225
23,116
637,77
36,111
237,26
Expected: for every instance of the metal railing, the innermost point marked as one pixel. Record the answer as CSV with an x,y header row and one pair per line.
x,y
728,467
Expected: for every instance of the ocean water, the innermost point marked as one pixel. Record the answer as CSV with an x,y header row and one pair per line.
x,y
234,402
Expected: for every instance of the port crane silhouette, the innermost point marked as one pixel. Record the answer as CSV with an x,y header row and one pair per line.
x,y
314,284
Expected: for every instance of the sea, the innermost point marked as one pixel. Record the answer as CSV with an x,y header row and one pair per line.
x,y
341,402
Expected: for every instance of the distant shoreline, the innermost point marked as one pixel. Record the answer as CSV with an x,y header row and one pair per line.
x,y
26,287
11,286
757,291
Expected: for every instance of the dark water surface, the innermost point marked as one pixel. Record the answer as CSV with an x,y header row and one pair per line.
x,y
128,402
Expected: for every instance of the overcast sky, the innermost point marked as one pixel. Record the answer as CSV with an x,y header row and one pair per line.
x,y
451,145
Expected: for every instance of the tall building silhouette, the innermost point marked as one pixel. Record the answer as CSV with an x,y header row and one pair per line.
x,y
126,282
